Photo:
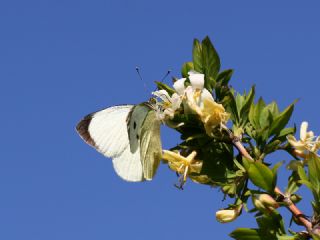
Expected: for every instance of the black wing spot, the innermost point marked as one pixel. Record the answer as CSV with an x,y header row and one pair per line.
x,y
137,136
134,125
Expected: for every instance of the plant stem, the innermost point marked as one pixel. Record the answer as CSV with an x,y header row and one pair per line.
x,y
290,205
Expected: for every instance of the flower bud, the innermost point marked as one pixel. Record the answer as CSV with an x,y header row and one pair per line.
x,y
228,215
264,202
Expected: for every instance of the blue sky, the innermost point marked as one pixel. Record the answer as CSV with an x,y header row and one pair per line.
x,y
60,60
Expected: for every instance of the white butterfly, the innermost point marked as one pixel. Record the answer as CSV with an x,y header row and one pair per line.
x,y
130,135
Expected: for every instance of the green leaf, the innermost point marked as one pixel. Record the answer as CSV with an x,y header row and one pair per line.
x,y
293,184
163,86
211,60
273,107
247,234
287,131
261,176
254,113
188,66
271,224
314,175
197,56
307,184
271,146
302,174
231,107
276,167
246,106
206,60
224,77
287,237
281,121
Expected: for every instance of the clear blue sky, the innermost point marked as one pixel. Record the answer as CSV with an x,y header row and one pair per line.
x,y
60,60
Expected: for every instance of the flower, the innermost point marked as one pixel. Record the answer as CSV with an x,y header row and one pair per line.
x,y
182,165
213,115
307,143
168,105
199,100
264,202
228,215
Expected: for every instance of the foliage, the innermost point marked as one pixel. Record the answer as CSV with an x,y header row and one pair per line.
x,y
257,129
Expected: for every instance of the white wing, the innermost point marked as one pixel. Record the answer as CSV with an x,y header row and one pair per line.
x,y
107,132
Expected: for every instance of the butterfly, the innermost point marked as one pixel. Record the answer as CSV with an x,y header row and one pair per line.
x,y
130,135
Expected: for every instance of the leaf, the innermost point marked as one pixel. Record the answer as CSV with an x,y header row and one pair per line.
x,y
246,106
276,167
273,107
271,146
206,60
188,66
307,184
254,113
211,60
231,107
271,224
261,176
293,184
197,56
247,234
281,121
287,131
224,77
287,237
314,175
302,174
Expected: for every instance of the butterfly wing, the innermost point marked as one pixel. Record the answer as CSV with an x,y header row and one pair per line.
x,y
150,145
135,121
106,131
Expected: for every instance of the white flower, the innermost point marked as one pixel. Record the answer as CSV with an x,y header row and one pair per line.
x,y
168,104
194,94
228,215
199,100
307,143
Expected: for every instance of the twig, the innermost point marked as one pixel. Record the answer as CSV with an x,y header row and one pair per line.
x,y
290,205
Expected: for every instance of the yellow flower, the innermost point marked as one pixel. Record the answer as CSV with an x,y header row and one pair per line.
x,y
307,143
212,115
182,165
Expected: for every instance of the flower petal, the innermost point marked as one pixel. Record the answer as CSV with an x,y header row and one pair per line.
x,y
162,94
197,80
179,86
303,131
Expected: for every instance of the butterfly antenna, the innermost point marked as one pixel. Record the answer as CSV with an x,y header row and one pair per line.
x,y
166,75
144,83
138,71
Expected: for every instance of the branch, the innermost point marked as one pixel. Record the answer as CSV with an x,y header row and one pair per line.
x,y
290,205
